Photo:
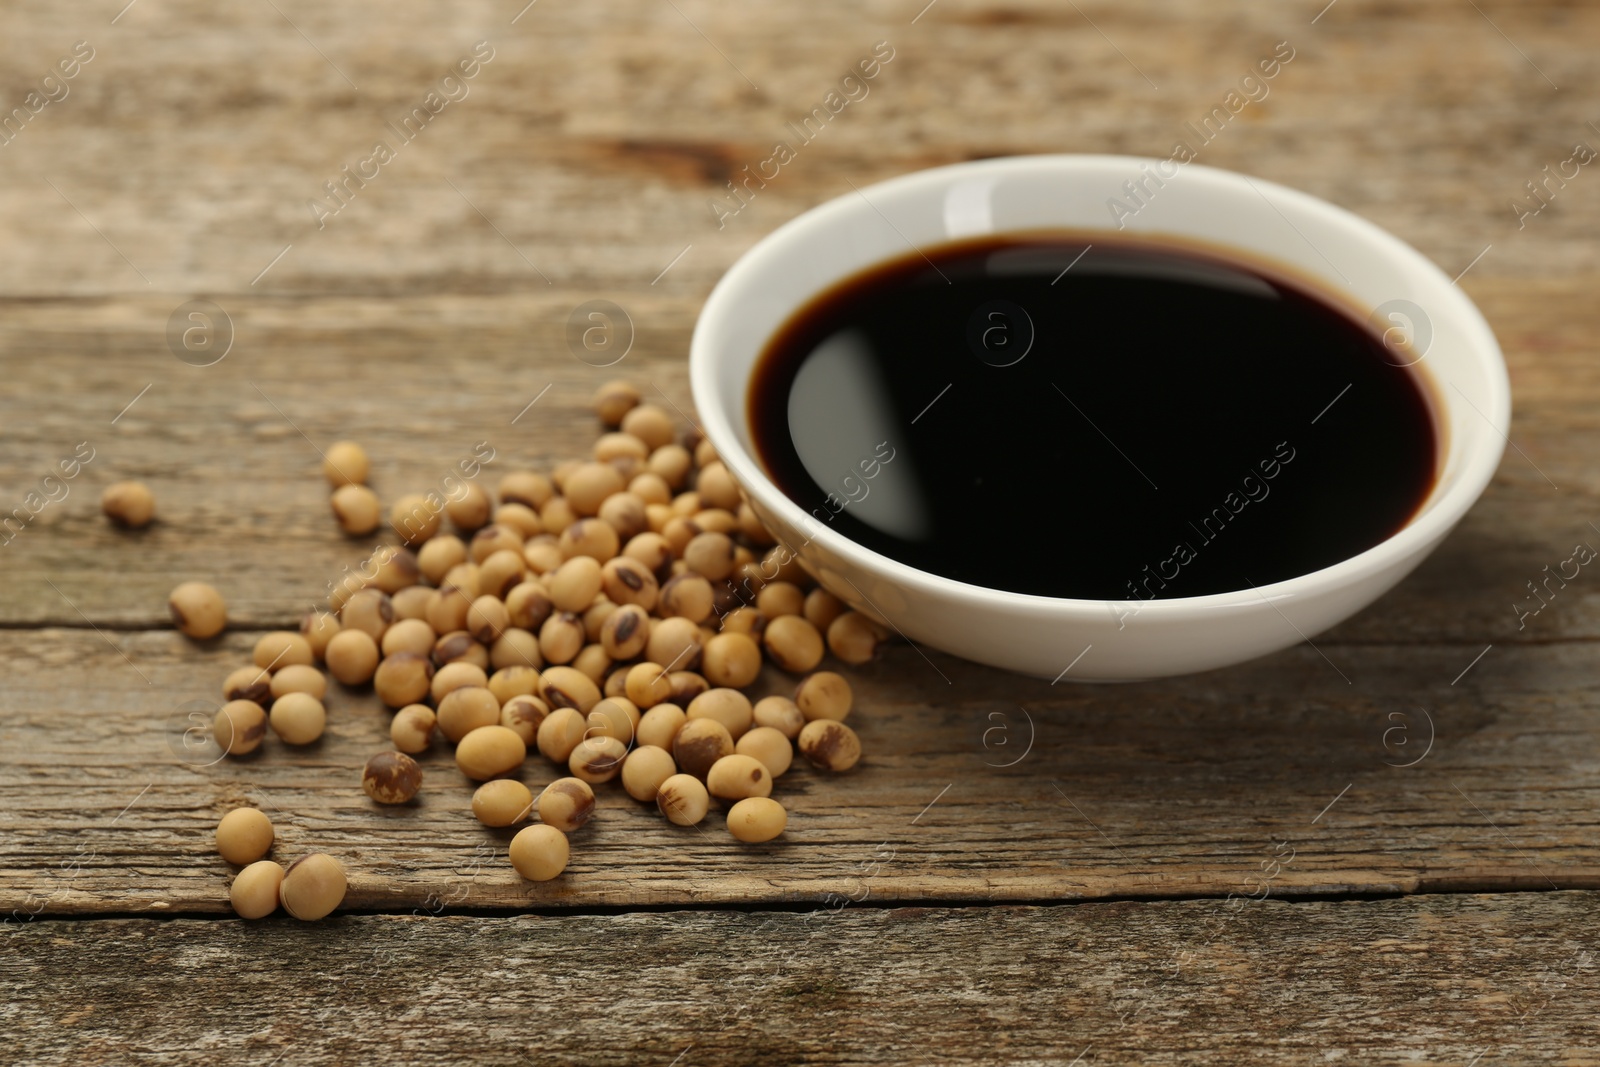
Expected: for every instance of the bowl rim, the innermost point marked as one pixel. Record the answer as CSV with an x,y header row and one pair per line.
x,y
1408,543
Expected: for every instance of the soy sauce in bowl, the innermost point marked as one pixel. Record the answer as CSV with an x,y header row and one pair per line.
x,y
1094,418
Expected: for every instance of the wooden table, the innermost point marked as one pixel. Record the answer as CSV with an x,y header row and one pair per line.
x,y
1385,848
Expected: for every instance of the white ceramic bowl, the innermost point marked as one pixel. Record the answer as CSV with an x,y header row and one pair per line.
x,y
1104,641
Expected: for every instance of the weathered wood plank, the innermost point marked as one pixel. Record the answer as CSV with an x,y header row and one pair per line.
x,y
1176,788
1437,980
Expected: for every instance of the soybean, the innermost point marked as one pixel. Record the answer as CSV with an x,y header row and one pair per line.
x,y
466,709
597,759
830,745
699,744
391,778
560,733
644,771
737,777
298,718
312,886
781,714
770,746
239,727
490,751
254,893
793,643
412,728
824,695
403,678
345,463
729,707
128,504
566,804
757,819
539,853
244,835
502,802
683,799
357,509
731,659
197,610
352,656
660,725
299,678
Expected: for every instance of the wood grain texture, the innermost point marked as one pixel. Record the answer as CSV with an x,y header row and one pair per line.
x,y
1431,980
426,313
1176,788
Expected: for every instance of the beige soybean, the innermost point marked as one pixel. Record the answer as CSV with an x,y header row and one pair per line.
x,y
438,555
318,628
821,608
312,887
470,509
502,572
683,799
368,610
408,635
561,637
854,638
597,759
729,707
687,596
770,746
528,605
447,609
521,518
613,400
460,647
298,718
651,488
128,504
415,519
357,509
626,580
239,727
412,603
757,819
197,610
526,488
244,835
699,744
830,745
502,802
824,695
556,515
254,893
780,598
411,729
626,632
675,644
660,725
345,463
539,853
593,661
560,732
595,616
248,683
300,678
647,684
487,619
744,620
403,678
648,423
731,659
352,656
566,804
567,687
524,713
490,751
735,777
455,675
588,486
686,685
624,513
781,714
513,681
575,583
466,709
614,717
395,569
793,643
391,778
595,538
644,771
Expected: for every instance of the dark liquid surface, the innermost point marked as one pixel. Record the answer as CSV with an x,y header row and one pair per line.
x,y
1153,422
